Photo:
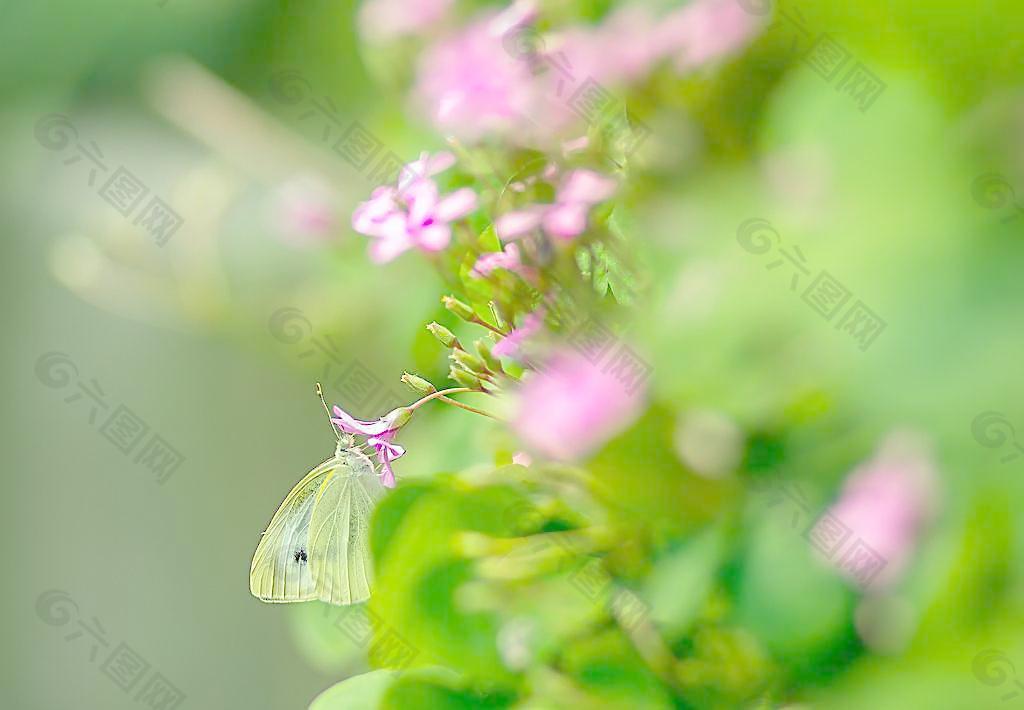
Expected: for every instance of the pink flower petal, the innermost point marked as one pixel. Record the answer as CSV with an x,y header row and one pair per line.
x,y
566,221
387,476
421,197
512,344
424,167
369,214
515,224
456,205
586,186
392,239
575,145
507,259
394,451
434,237
574,407
350,425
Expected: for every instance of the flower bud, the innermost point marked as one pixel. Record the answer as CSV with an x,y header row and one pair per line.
x,y
458,308
443,335
466,379
417,383
484,349
397,418
468,362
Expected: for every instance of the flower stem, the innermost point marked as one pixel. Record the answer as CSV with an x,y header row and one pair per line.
x,y
460,405
439,393
442,395
480,321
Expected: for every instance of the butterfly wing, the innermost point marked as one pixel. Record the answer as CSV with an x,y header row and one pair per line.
x,y
276,575
339,531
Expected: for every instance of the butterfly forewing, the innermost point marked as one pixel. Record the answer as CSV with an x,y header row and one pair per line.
x,y
279,573
339,532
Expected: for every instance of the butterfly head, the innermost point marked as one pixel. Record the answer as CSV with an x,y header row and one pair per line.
x,y
345,441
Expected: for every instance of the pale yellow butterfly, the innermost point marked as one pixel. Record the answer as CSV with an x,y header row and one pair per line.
x,y
317,543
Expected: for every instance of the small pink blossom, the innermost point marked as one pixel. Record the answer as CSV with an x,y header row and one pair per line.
x,y
382,20
379,434
566,219
573,407
512,344
509,259
412,215
887,501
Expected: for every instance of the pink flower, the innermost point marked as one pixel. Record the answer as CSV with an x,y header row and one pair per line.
x,y
567,217
472,85
380,434
887,501
413,214
509,259
704,31
573,407
388,19
511,345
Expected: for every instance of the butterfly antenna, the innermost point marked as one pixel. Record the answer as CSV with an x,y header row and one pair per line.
x,y
320,394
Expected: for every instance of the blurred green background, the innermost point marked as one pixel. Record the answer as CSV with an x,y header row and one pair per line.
x,y
184,335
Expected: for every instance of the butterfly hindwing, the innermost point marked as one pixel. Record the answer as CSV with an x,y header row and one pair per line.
x,y
339,533
279,573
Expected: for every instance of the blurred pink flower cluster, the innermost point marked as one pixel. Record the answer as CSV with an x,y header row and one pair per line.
x,y
499,76
566,219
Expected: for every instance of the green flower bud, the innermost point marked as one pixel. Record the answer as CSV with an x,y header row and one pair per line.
x,y
468,362
418,384
458,308
484,349
466,379
397,418
443,335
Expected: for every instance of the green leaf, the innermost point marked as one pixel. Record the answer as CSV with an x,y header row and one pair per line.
x,y
608,666
421,573
668,498
682,579
362,692
441,689
389,514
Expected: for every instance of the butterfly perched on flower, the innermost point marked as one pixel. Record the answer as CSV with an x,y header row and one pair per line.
x,y
317,543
